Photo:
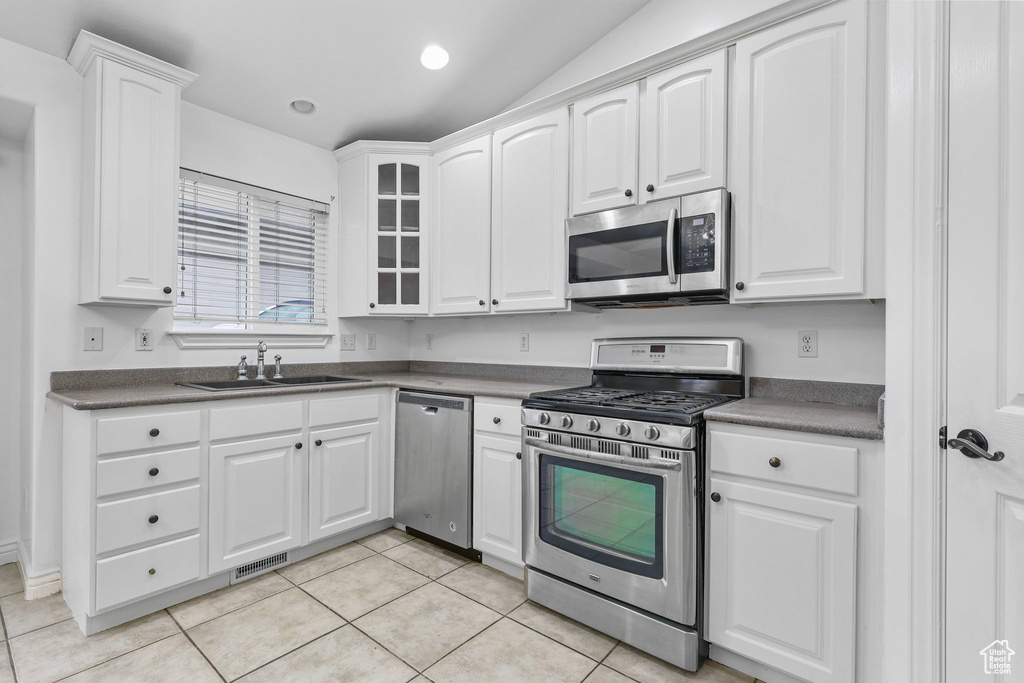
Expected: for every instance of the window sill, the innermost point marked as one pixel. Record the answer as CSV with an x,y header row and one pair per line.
x,y
244,339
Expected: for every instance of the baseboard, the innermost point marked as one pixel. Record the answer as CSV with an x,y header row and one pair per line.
x,y
8,552
37,586
761,672
516,571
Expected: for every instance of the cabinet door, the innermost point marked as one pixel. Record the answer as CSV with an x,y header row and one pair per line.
x,y
604,150
461,233
398,233
530,202
683,133
136,206
782,579
255,500
498,497
800,146
343,468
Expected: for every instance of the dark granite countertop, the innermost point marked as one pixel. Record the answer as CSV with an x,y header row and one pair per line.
x,y
77,392
833,408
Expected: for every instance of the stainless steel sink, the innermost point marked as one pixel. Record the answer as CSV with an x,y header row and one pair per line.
x,y
231,385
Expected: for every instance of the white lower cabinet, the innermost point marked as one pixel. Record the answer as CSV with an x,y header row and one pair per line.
x,y
157,498
498,481
343,472
256,498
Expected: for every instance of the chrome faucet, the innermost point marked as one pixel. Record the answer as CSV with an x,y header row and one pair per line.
x,y
243,369
277,367
261,348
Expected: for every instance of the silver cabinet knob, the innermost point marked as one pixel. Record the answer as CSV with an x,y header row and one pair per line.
x,y
543,418
652,432
593,425
566,422
622,429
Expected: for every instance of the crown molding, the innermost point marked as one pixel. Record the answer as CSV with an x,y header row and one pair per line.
x,y
89,46
380,147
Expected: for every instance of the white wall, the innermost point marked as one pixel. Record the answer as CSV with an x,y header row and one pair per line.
x,y
851,337
658,26
11,228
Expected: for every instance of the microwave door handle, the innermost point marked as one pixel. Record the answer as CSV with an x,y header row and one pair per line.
x,y
670,245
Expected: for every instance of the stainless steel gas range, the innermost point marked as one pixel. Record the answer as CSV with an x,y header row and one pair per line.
x,y
613,524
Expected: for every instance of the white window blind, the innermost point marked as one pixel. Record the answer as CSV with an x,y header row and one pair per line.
x,y
248,255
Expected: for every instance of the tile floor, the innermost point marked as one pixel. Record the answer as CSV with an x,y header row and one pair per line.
x,y
385,608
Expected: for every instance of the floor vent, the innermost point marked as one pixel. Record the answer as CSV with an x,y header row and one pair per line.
x,y
248,571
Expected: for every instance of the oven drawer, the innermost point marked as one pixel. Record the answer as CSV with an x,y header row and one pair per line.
x,y
497,416
817,462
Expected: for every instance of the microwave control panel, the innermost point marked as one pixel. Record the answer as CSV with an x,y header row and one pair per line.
x,y
697,243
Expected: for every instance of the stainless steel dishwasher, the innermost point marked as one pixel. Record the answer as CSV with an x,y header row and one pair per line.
x,y
433,472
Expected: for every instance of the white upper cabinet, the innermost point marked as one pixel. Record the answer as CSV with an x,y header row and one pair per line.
x,y
529,205
460,253
129,173
800,146
383,203
660,137
683,132
604,150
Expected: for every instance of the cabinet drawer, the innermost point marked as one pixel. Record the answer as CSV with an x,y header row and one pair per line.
x,y
121,475
501,418
823,466
343,410
248,420
126,522
150,570
148,431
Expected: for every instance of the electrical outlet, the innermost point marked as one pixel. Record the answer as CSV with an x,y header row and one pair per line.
x,y
94,339
524,341
371,341
430,342
143,339
348,342
807,343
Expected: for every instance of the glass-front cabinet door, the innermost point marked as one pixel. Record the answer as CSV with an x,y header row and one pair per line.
x,y
397,234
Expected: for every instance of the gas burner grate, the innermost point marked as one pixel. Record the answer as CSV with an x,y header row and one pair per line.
x,y
589,395
668,401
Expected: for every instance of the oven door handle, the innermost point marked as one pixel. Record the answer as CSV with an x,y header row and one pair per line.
x,y
604,457
670,246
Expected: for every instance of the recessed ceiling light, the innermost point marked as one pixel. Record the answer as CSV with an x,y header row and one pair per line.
x,y
434,57
302,106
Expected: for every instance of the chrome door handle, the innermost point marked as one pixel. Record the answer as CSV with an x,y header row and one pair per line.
x,y
670,245
973,444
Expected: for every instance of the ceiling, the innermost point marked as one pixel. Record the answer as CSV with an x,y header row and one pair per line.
x,y
358,60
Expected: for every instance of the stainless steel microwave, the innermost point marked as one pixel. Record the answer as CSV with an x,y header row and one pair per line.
x,y
672,252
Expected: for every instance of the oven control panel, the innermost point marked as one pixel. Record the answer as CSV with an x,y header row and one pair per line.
x,y
656,434
697,243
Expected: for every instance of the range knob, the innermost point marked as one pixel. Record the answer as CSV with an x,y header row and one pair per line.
x,y
652,432
566,422
543,418
593,425
622,429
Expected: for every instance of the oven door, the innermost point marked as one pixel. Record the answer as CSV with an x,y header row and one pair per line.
x,y
623,252
626,530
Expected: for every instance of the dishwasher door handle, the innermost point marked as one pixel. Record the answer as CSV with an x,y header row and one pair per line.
x,y
429,410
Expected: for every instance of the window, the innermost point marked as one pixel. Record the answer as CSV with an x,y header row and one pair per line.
x,y
248,255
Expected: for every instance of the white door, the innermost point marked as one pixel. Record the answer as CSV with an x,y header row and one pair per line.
x,y
529,205
343,467
683,132
398,232
138,178
255,499
604,150
799,157
498,497
460,243
985,388
782,579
